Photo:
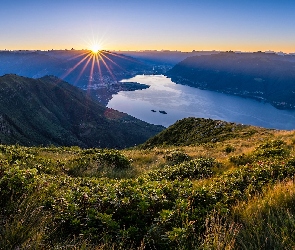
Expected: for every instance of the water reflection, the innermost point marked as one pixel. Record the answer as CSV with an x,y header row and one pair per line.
x,y
182,101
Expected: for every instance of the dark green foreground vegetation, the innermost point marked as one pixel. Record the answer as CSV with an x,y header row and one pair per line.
x,y
234,194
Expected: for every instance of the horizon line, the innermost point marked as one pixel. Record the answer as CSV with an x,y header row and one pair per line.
x,y
149,50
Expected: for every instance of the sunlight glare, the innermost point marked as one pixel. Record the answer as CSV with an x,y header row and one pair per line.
x,y
95,48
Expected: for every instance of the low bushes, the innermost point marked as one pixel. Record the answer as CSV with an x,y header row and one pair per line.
x,y
166,208
193,169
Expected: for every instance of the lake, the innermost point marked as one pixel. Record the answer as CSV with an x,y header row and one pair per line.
x,y
180,101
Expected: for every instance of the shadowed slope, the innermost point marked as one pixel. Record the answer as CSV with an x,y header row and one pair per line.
x,y
50,111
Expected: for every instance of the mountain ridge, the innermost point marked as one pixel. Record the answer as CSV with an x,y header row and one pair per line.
x,y
48,111
99,73
195,131
263,76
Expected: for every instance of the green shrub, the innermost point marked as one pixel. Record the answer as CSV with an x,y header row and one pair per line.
x,y
271,150
112,158
98,162
228,149
241,160
14,183
193,169
176,157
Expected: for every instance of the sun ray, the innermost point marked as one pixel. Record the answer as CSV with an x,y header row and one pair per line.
x,y
91,72
113,62
99,69
108,68
74,67
95,66
79,55
122,56
82,71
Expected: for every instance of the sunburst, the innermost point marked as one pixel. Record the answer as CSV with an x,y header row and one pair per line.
x,y
98,64
93,59
95,48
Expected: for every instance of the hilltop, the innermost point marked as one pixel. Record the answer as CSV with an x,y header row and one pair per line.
x,y
196,131
263,76
49,111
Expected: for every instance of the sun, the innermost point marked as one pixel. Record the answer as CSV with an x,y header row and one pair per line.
x,y
95,48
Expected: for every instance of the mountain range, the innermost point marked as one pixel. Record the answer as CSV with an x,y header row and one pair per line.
x,y
99,73
164,59
264,76
267,77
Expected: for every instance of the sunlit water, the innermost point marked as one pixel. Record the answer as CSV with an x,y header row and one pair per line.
x,y
181,101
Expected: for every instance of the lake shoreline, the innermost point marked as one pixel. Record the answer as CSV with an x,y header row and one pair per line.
x,y
181,101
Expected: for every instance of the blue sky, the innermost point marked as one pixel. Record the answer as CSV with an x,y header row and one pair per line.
x,y
148,24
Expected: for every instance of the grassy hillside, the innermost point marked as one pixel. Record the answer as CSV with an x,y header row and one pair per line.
x,y
49,111
194,131
233,193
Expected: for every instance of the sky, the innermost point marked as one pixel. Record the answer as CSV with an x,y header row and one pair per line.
x,y
184,25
